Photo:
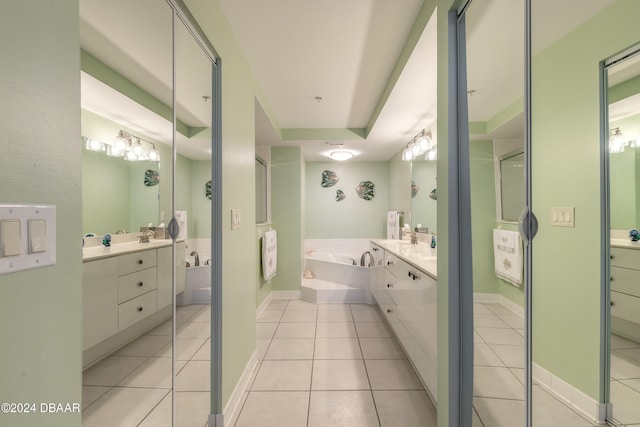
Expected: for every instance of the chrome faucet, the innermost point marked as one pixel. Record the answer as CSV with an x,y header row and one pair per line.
x,y
144,236
197,258
364,257
414,237
121,231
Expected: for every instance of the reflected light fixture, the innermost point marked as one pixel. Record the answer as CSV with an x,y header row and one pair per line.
x,y
341,155
421,145
127,146
617,143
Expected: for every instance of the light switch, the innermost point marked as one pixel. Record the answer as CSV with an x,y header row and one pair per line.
x,y
563,217
37,236
235,219
11,243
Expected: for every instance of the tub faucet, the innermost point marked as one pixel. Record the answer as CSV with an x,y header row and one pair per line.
x,y
197,258
364,257
121,231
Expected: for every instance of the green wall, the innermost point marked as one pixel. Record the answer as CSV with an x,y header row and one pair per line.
x,y
40,309
400,187
566,268
424,210
286,215
352,217
200,226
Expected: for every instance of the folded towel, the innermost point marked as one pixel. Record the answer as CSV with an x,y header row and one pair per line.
x,y
393,225
507,249
269,254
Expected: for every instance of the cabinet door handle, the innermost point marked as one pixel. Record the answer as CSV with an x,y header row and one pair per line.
x,y
389,311
140,261
141,284
375,249
611,256
389,262
140,308
389,285
612,304
611,279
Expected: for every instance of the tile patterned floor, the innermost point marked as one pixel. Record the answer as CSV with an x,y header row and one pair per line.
x,y
331,365
131,387
498,388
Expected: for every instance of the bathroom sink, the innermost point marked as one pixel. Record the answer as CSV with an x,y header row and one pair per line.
x,y
121,248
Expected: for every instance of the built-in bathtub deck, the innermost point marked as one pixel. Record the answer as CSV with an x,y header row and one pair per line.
x,y
324,291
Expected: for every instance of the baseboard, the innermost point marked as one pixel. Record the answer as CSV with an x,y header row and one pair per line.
x,y
590,408
263,305
234,405
487,297
482,297
286,294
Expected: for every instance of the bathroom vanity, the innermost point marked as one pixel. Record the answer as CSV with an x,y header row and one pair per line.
x,y
625,288
126,290
403,283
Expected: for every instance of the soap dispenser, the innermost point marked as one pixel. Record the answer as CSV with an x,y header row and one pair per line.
x,y
433,240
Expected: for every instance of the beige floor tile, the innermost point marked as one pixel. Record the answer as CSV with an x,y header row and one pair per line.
x,y
392,375
337,315
146,345
277,304
621,343
297,304
484,356
265,330
367,316
342,408
296,330
292,315
405,408
488,321
334,307
154,373
194,330
261,348
501,412
270,316
339,375
185,348
625,402
381,348
165,328
373,330
496,382
195,376
335,330
122,407
289,349
511,355
91,393
191,410
283,375
275,409
500,336
204,352
111,370
337,348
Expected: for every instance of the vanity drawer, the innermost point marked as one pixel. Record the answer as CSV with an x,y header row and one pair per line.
x,y
136,261
625,280
136,309
395,265
625,307
627,258
135,284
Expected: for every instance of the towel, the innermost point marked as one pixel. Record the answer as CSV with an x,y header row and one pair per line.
x,y
507,249
181,219
269,254
393,225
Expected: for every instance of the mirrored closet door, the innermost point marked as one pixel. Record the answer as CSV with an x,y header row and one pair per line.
x,y
147,116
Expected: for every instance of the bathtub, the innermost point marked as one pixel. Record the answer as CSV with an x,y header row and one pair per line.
x,y
333,272
197,288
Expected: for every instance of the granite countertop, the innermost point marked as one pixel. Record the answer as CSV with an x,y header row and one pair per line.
x,y
421,256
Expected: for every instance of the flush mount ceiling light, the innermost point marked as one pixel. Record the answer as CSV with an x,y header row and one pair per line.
x,y
341,155
616,141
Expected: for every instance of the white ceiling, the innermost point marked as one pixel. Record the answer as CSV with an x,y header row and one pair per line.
x,y
343,52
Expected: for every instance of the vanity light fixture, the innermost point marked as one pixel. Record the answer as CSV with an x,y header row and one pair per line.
x,y
617,143
127,146
95,145
421,145
341,155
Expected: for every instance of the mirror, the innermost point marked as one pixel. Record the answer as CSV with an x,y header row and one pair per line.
x,y
423,190
624,194
511,186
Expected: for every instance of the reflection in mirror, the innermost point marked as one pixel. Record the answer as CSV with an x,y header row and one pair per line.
x,y
423,205
624,186
262,189
511,191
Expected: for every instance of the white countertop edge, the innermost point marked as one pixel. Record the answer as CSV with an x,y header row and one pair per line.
x,y
428,266
98,252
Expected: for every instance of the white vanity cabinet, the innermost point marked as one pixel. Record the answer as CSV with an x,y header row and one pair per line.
x,y
625,292
407,298
165,272
99,301
137,287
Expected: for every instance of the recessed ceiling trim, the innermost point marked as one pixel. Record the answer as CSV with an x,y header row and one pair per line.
x,y
507,114
312,134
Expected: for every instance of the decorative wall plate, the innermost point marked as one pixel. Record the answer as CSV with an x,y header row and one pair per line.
x,y
329,178
414,189
340,195
151,178
366,190
207,190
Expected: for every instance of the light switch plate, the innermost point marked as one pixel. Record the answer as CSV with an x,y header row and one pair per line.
x,y
37,245
563,216
235,219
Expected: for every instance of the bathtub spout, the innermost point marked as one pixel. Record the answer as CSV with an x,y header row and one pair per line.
x,y
197,258
364,257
